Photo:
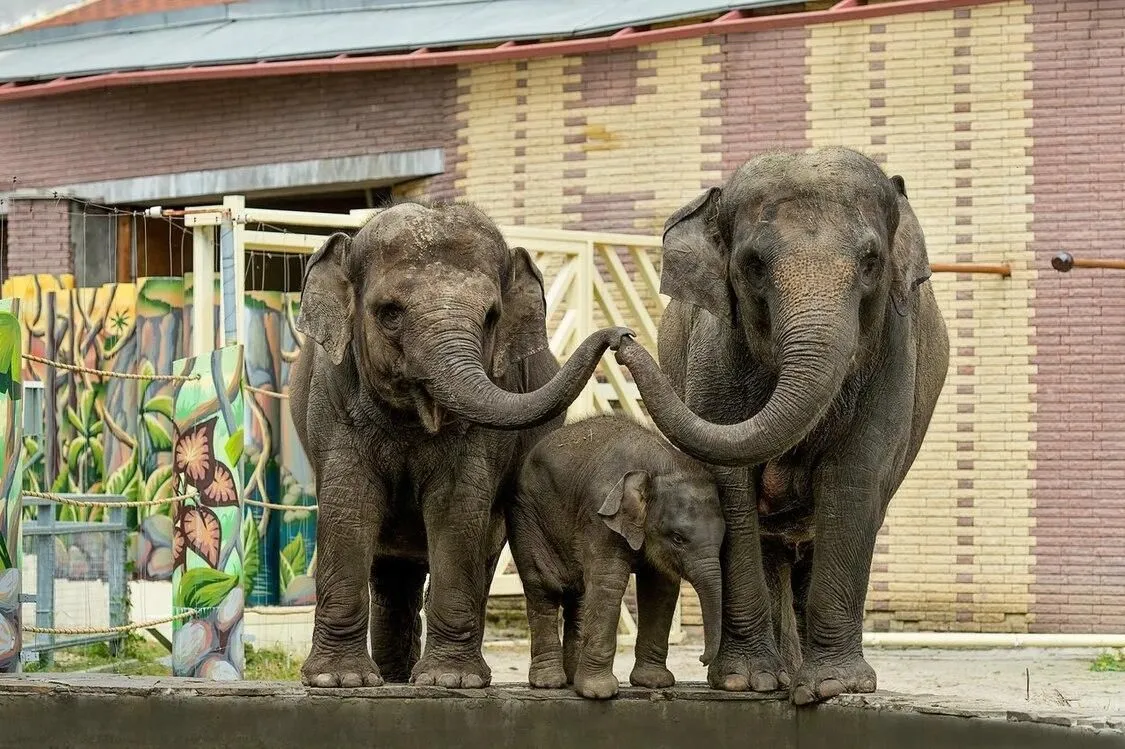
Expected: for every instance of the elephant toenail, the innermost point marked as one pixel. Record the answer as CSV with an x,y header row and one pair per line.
x,y
735,683
802,695
763,682
472,681
830,688
424,680
449,681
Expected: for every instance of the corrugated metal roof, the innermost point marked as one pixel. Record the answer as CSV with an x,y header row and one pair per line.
x,y
296,29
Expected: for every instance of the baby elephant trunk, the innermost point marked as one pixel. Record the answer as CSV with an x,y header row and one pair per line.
x,y
707,579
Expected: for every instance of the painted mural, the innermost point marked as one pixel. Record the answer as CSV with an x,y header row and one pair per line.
x,y
110,435
11,429
208,574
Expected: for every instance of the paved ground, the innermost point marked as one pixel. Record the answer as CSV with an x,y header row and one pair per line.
x,y
1013,679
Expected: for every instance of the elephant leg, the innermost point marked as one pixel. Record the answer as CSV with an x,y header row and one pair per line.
x,y
571,636
345,539
799,578
396,624
777,568
601,611
657,595
458,527
546,670
847,519
748,657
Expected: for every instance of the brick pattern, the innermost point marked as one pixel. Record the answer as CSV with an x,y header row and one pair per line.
x,y
102,10
38,237
954,550
127,132
1078,95
764,89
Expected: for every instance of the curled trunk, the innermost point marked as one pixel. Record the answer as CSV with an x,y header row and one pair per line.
x,y
456,378
707,579
813,368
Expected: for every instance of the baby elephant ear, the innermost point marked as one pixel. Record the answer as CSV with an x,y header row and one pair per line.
x,y
623,511
327,300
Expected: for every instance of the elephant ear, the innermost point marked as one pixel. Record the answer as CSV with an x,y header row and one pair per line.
x,y
523,321
911,263
327,301
695,257
624,508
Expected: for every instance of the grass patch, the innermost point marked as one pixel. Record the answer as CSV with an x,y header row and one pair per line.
x,y
1114,660
139,656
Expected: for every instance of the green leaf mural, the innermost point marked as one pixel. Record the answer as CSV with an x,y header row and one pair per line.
x,y
203,588
251,555
208,530
292,560
235,446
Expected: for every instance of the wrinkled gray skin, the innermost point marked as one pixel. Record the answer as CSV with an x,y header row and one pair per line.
x,y
810,355
595,501
421,332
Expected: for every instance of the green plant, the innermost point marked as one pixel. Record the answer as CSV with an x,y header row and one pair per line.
x,y
292,560
1113,660
271,664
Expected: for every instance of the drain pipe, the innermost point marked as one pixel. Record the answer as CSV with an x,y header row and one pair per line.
x,y
989,640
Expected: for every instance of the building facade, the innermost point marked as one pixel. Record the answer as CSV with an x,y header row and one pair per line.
x,y
1006,119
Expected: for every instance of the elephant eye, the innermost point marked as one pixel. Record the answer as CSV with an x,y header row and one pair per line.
x,y
678,540
870,266
390,317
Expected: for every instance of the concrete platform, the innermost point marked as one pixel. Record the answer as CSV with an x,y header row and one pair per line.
x,y
112,712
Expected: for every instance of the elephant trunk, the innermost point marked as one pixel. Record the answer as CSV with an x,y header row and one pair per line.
x,y
707,579
452,367
814,360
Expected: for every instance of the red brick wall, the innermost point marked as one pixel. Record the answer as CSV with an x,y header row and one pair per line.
x,y
128,132
1078,95
38,237
101,10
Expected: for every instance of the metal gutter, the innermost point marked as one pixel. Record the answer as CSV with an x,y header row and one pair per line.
x,y
730,23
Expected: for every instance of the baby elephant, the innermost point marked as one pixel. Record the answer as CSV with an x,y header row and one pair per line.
x,y
596,500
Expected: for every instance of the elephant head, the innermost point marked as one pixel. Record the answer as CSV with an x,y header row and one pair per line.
x,y
430,306
808,259
676,520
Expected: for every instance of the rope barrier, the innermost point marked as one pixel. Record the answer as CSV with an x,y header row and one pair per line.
x,y
95,503
273,506
109,630
106,373
268,393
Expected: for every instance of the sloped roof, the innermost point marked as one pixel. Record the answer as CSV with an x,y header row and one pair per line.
x,y
259,30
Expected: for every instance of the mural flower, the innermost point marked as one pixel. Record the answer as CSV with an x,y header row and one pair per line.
x,y
195,454
221,489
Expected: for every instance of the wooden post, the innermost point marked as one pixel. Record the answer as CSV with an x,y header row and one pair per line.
x,y
203,290
232,261
206,541
11,482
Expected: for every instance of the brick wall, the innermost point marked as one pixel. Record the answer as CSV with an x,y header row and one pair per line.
x,y
1006,121
1079,458
38,237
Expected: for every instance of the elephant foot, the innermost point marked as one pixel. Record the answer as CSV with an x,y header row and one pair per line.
x,y
651,676
547,676
347,671
452,673
600,686
736,669
823,679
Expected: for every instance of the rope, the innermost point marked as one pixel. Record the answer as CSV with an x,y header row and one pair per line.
x,y
95,503
105,373
272,506
269,393
109,630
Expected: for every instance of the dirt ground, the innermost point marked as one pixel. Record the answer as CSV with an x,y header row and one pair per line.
x,y
1018,679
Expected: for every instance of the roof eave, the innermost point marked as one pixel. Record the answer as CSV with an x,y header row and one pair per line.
x,y
732,22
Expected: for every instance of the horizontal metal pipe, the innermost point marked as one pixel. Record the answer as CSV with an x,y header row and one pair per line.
x,y
725,24
997,269
1064,262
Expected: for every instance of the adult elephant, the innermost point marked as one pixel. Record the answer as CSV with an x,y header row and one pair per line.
x,y
426,349
804,356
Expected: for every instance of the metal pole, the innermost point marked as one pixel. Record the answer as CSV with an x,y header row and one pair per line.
x,y
1064,262
115,574
50,393
45,579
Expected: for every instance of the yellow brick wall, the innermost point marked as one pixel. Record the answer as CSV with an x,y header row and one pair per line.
x,y
943,96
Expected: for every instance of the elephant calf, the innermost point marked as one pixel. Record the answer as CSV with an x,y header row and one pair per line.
x,y
595,501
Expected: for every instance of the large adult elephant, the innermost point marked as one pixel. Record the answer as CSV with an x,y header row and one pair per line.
x,y
803,355
426,350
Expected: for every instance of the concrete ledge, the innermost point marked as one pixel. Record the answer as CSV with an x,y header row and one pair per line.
x,y
98,711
